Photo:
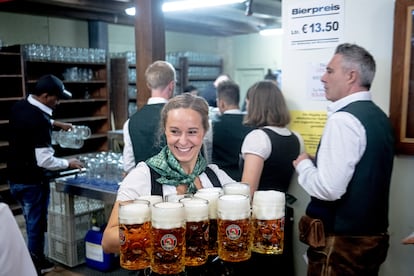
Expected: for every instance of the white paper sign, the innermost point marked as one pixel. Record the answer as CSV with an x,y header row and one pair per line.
x,y
315,88
315,24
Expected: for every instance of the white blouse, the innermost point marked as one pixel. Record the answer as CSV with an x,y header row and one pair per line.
x,y
138,182
258,142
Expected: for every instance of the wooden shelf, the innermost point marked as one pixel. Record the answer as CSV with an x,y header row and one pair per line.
x,y
4,187
83,119
73,63
10,99
10,76
185,65
84,101
89,105
204,64
4,144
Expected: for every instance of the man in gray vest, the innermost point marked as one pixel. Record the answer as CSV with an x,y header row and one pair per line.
x,y
349,178
228,129
141,136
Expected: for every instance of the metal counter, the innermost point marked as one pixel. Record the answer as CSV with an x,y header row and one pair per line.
x,y
91,188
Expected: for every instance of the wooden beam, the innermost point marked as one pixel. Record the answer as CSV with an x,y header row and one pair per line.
x,y
149,42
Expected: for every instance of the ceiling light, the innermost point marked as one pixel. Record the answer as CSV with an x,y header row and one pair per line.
x,y
195,4
130,11
272,31
189,5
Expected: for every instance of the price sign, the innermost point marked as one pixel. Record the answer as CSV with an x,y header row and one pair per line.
x,y
315,24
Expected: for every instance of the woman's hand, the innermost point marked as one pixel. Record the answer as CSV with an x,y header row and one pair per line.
x,y
301,157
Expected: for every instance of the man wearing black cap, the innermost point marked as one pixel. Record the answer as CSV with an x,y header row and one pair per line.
x,y
31,156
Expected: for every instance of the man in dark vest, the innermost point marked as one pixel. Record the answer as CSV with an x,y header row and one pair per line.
x,y
141,137
349,179
32,160
228,129
210,92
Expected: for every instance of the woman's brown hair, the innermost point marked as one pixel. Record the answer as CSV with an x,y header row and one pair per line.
x,y
267,106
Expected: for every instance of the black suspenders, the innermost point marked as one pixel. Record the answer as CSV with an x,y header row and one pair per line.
x,y
156,188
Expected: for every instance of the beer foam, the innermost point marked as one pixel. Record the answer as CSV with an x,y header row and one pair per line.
x,y
176,197
233,206
269,197
211,189
167,215
212,198
152,198
134,212
196,209
235,188
268,204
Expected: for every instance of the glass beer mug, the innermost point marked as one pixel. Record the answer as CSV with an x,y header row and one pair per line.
x,y
236,188
196,233
168,238
68,139
134,234
212,195
268,221
233,228
84,132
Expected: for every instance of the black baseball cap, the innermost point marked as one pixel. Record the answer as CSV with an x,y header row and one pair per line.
x,y
52,85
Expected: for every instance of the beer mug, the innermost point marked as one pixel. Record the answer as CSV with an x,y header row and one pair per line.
x,y
67,139
196,233
236,188
268,221
176,197
211,189
84,132
233,228
168,238
151,198
212,196
55,137
134,234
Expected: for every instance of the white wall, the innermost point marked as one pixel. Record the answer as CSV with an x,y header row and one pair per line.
x,y
22,29
121,38
251,56
369,24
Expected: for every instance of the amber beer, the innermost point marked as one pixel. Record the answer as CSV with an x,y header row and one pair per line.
x,y
168,238
197,227
211,194
234,228
134,234
268,220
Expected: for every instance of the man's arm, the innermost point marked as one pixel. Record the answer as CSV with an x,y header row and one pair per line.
x,y
62,125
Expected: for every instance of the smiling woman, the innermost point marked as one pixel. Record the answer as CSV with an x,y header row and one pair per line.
x,y
178,168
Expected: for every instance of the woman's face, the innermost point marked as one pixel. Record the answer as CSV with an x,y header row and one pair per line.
x,y
185,133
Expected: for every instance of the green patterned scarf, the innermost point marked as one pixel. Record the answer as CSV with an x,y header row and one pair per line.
x,y
171,171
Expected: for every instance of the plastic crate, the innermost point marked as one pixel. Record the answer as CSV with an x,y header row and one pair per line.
x,y
75,227
66,252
